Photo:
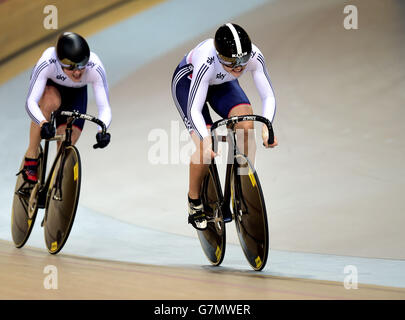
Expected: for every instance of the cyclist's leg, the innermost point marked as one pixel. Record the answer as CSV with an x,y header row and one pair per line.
x,y
228,99
180,90
244,131
199,164
50,101
72,99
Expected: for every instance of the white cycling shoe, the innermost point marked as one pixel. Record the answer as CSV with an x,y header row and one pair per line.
x,y
197,216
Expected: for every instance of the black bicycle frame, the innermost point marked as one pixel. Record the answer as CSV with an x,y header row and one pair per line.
x,y
232,152
67,141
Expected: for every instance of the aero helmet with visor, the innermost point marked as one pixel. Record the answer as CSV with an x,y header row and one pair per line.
x,y
72,50
233,45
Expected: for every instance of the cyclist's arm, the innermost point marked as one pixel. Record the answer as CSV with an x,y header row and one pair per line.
x,y
38,81
262,81
196,100
101,95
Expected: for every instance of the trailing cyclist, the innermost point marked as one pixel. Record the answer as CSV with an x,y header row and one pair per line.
x,y
208,76
59,80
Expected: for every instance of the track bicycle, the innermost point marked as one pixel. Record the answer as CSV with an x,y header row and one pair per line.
x,y
57,193
241,200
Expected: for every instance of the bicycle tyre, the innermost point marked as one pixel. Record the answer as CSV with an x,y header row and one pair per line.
x,y
250,213
21,221
213,239
60,214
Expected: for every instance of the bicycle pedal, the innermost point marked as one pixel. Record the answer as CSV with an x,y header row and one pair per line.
x,y
198,217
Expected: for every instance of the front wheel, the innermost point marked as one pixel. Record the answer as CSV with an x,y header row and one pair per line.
x,y
249,212
62,200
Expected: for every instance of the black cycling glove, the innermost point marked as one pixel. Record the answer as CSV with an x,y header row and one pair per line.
x,y
102,140
47,131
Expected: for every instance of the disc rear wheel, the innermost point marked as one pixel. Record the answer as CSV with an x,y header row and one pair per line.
x,y
213,238
24,209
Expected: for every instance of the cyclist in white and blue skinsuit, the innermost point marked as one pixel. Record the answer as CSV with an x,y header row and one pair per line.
x,y
59,79
208,77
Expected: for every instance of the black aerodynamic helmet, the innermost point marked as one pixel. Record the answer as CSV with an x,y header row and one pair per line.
x,y
72,50
233,45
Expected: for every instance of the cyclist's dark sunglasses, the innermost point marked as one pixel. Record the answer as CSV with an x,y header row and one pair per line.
x,y
72,67
234,62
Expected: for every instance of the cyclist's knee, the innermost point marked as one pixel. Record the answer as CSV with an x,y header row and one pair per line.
x,y
246,128
76,132
201,155
203,152
50,100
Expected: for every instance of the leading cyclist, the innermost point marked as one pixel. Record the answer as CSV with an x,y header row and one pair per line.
x,y
59,79
208,76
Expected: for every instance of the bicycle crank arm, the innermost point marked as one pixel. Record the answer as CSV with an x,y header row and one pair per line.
x,y
57,137
214,219
55,197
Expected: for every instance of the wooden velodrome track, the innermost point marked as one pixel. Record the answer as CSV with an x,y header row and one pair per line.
x,y
22,270
22,277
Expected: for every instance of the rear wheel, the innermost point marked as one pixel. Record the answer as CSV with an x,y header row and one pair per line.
x,y
24,209
213,238
63,198
250,213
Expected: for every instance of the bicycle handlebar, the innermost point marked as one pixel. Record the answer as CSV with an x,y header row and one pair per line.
x,y
78,115
235,120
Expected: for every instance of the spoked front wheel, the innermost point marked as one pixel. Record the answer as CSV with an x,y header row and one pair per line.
x,y
25,207
63,197
250,212
213,238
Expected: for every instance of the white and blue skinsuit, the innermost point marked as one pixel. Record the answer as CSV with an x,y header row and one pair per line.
x,y
201,78
48,71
